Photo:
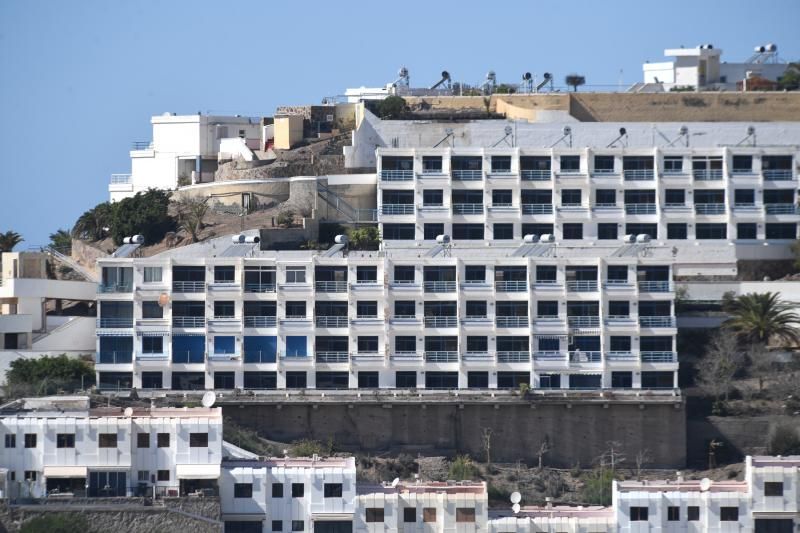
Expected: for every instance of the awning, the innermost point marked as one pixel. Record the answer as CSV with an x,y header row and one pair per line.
x,y
114,333
153,333
65,471
332,517
197,471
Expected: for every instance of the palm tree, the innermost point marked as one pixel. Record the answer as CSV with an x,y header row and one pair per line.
x,y
9,240
759,317
91,225
61,239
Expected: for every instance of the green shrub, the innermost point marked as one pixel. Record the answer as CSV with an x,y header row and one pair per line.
x,y
784,440
367,238
144,214
56,523
47,375
306,448
391,107
597,487
462,468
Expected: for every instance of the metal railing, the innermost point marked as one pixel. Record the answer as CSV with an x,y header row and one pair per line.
x,y
115,357
331,286
552,355
639,174
504,356
188,286
441,357
536,175
675,207
120,179
745,206
331,357
640,209
440,286
537,209
709,209
674,173
366,318
583,321
654,286
511,286
258,356
606,206
622,283
707,174
404,318
618,318
260,321
433,171
780,209
441,321
406,355
188,356
115,287
479,356
657,321
259,287
603,172
572,206
620,356
582,286
657,357
397,209
740,171
397,175
467,209
777,174
331,321
115,322
511,321
467,175
188,321
579,356
141,145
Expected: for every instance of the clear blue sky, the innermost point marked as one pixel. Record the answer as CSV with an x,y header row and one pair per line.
x,y
79,80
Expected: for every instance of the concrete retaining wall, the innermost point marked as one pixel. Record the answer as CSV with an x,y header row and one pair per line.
x,y
739,435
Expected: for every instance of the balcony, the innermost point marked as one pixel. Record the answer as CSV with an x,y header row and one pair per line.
x,y
141,145
476,320
397,209
260,321
707,174
655,286
658,357
639,175
440,286
547,284
121,179
331,357
582,286
477,356
467,175
550,356
780,209
536,175
441,357
640,209
441,321
406,356
115,287
657,321
513,356
745,207
583,321
188,286
188,321
709,209
331,286
404,319
115,322
618,284
620,356
778,174
467,209
675,207
259,287
511,286
114,357
331,321
397,175
511,321
537,209
579,356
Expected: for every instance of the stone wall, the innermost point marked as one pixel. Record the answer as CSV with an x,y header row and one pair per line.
x,y
739,435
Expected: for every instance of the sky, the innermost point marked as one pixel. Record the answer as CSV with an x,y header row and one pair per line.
x,y
79,80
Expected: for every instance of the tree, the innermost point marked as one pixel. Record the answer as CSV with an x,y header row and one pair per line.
x,y
9,240
722,360
575,80
790,79
146,213
486,439
461,468
92,225
364,238
544,448
642,458
597,486
391,107
61,240
47,375
191,215
759,317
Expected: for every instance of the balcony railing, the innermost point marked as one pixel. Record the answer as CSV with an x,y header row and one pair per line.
x,y
407,356
707,174
549,356
536,175
188,286
621,283
397,175
654,286
467,209
467,175
441,321
120,179
331,286
657,321
582,286
115,287
331,357
115,322
780,209
579,356
404,318
777,174
511,286
709,209
188,321
115,357
511,321
260,321
640,209
141,145
331,321
658,357
620,356
397,209
441,357
477,356
440,286
537,209
639,175
504,356
583,321
259,287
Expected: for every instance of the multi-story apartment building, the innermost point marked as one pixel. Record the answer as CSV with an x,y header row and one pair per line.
x,y
484,315
60,445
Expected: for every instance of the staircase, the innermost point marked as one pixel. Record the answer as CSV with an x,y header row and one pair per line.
x,y
349,213
71,263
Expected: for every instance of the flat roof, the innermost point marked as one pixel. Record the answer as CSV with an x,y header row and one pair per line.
x,y
681,486
291,462
556,511
425,487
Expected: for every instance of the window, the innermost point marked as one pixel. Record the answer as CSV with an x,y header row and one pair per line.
x,y
619,308
225,309
107,440
693,513
398,232
163,475
298,489
374,514
742,164
676,231
570,163
224,274
546,273
65,440
746,230
573,230
367,344
472,232
607,231
675,197
429,514
198,440
30,440
295,309
277,525
475,273
501,164
537,229
501,198
332,490
368,380
296,346
153,345
571,197
404,274
607,197
143,476
673,514
744,197
405,308
673,164
242,490
11,441
638,229
30,475
406,379
604,164
729,514
620,343
638,514
277,490
477,380
621,380
367,309
224,344
298,525
296,380
409,515
503,231
295,274
711,231
142,440
162,440
781,231
465,514
773,488
476,309
432,197
152,274
547,308
431,164
366,274
151,309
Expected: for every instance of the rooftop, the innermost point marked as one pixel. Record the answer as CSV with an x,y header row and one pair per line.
x,y
426,487
79,407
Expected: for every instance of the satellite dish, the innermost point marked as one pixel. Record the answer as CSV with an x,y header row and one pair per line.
x,y
208,399
515,508
128,411
508,130
705,484
395,482
566,130
516,497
